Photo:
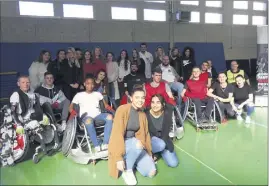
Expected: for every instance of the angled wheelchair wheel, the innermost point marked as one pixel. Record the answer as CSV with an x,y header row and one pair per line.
x,y
218,114
69,136
21,155
184,108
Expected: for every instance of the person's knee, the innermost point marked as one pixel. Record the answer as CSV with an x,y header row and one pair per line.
x,y
162,145
109,117
88,121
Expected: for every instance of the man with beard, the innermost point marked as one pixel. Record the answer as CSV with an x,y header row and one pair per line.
x,y
171,77
175,61
131,80
148,58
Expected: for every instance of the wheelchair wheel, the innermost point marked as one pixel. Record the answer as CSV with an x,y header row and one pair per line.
x,y
218,114
184,108
19,155
69,136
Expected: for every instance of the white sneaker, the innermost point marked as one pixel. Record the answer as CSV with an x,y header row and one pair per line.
x,y
97,149
129,177
239,118
248,120
172,134
104,147
180,132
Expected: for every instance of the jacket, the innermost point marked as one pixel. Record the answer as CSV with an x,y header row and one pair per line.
x,y
50,95
116,146
55,68
176,63
166,126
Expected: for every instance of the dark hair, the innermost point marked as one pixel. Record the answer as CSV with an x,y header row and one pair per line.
x,y
78,49
173,49
111,54
47,73
192,53
137,88
238,76
101,70
40,58
222,73
143,44
84,56
58,52
234,61
160,97
134,63
157,70
126,59
89,76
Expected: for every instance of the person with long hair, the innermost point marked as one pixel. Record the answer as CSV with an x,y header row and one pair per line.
x,y
187,63
139,61
38,68
98,61
160,122
112,77
129,146
124,69
55,67
100,82
86,63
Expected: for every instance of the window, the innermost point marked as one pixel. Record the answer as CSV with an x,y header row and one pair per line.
x,y
213,18
259,6
155,1
216,4
258,20
195,17
154,15
241,5
196,3
123,13
240,19
36,8
78,11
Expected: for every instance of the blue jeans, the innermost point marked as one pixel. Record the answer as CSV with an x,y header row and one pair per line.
x,y
177,87
89,124
158,145
138,158
248,108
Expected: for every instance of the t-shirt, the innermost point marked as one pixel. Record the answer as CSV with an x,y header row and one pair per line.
x,y
219,91
133,124
157,122
168,73
88,103
131,80
15,99
241,94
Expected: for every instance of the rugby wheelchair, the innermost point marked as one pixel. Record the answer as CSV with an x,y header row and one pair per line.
x,y
15,140
189,112
76,142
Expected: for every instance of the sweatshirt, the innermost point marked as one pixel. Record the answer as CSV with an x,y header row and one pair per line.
x,y
112,71
36,74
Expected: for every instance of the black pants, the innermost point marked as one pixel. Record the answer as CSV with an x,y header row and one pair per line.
x,y
208,102
226,107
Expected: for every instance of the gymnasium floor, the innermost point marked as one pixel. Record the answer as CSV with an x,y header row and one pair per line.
x,y
235,155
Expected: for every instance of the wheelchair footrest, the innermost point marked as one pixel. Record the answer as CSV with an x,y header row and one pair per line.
x,y
208,126
78,156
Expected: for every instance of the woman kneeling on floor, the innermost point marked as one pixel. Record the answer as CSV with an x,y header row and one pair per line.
x,y
160,121
130,145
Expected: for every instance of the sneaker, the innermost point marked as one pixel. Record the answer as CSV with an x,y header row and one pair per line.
x,y
180,132
248,120
104,147
224,121
97,149
129,177
172,134
239,118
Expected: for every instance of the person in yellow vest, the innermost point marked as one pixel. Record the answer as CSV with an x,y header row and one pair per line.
x,y
235,71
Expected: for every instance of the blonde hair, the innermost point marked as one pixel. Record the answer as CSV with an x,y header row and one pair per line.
x,y
156,51
76,60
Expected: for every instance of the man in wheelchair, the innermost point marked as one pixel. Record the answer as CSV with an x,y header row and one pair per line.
x,y
55,97
196,90
89,111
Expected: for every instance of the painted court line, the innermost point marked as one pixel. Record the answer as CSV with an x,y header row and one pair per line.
x,y
204,164
259,124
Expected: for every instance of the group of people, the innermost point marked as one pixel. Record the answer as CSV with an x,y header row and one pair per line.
x,y
139,130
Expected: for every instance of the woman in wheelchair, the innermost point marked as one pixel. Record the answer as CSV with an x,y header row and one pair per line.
x,y
196,90
160,121
223,93
242,99
130,145
88,102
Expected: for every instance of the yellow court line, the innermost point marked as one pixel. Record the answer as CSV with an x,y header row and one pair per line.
x,y
8,73
213,170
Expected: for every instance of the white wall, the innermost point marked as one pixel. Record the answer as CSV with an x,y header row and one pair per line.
x,y
239,41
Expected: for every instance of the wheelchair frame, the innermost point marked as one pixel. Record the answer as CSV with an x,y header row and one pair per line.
x,y
192,116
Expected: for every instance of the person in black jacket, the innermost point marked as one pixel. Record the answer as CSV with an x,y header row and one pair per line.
x,y
55,67
175,61
159,121
187,63
211,69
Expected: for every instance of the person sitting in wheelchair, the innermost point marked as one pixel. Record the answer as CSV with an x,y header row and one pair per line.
x,y
157,86
223,93
171,77
242,99
160,121
205,76
130,80
196,90
130,146
55,97
88,102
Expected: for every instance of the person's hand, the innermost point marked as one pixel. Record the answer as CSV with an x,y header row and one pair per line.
x,y
76,85
55,105
180,78
120,166
72,85
126,93
240,107
234,108
139,145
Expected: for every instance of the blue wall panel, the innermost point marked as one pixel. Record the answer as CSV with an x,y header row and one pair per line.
x,y
205,51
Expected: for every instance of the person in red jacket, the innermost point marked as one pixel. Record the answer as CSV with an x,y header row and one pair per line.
x,y
196,90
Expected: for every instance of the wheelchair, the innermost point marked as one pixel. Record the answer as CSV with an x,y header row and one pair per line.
x,y
44,133
76,142
189,112
177,121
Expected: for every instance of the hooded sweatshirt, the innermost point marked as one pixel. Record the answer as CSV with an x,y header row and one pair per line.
x,y
36,74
